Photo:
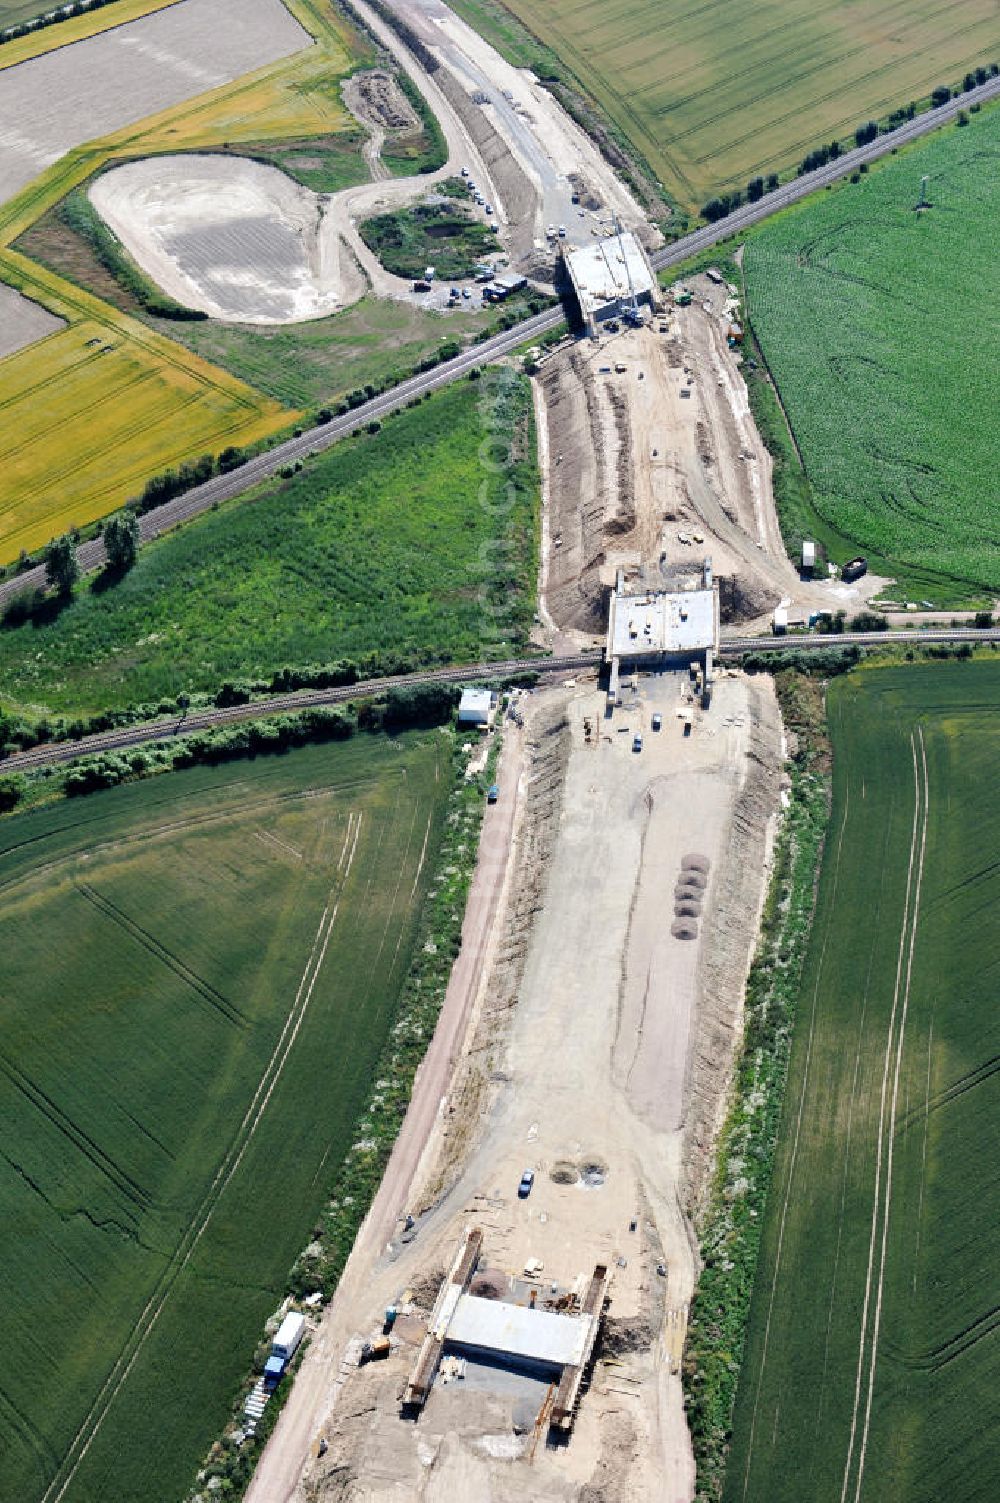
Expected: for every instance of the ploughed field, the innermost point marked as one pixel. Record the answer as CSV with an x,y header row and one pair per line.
x,y
71,95
872,1368
879,325
714,94
199,974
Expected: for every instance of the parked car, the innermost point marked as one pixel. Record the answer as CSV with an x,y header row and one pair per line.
x,y
657,722
493,793
637,743
527,1180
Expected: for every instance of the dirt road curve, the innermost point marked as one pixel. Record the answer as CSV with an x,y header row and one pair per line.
x,y
276,1478
263,466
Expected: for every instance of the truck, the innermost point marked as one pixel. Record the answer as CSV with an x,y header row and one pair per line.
x,y
374,1351
854,569
288,1335
493,793
274,1371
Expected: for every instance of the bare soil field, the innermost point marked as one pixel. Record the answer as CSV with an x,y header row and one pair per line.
x,y
649,440
232,237
74,94
22,322
597,1053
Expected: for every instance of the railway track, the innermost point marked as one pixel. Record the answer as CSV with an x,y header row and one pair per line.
x,y
731,648
263,466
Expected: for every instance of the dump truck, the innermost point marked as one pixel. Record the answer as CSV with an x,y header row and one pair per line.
x,y
854,569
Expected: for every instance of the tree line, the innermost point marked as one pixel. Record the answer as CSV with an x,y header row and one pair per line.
x,y
725,203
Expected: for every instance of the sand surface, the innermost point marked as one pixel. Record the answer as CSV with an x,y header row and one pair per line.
x,y
22,322
84,91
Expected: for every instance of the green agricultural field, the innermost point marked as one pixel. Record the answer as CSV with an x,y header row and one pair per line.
x,y
872,1368
413,542
879,325
199,973
713,94
13,11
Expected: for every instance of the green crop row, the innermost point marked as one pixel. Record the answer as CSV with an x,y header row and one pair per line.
x,y
438,941
872,314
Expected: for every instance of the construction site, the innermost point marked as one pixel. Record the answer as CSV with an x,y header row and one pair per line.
x,y
512,1320
511,1323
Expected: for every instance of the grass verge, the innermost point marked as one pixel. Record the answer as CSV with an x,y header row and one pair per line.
x,y
731,1231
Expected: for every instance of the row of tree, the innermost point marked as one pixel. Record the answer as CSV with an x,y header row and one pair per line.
x,y
725,203
121,544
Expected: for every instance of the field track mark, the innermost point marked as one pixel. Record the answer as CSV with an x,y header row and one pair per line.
x,y
90,1428
850,1126
152,945
923,778
939,1356
105,1165
795,1143
266,838
193,821
923,1154
906,929
29,1432
958,1088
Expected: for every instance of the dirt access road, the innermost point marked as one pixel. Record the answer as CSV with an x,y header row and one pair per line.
x,y
598,1056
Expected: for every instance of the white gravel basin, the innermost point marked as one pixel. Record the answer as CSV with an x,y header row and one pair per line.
x,y
234,238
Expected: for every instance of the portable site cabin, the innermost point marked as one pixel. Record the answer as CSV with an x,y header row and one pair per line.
x,y
475,707
808,556
288,1336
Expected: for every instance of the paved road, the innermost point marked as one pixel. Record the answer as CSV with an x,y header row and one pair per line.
x,y
304,699
225,487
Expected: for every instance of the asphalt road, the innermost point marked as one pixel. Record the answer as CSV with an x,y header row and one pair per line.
x,y
304,699
263,466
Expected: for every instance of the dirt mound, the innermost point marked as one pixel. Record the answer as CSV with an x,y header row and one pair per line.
x,y
684,929
375,96
687,908
564,1173
593,1173
424,1291
694,862
691,880
620,1335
